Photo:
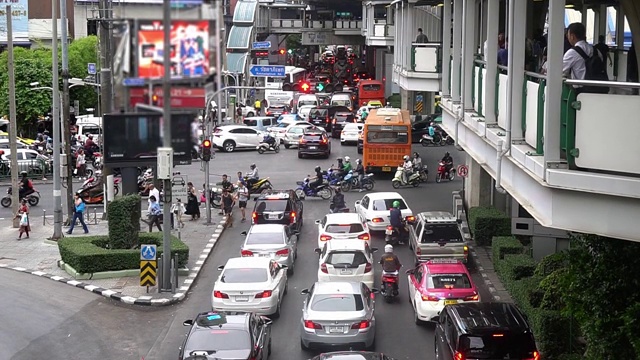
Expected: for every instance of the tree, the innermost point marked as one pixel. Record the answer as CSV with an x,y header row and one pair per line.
x,y
294,41
82,52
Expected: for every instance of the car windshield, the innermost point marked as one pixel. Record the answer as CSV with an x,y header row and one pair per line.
x,y
351,258
307,102
387,204
318,113
341,102
246,275
251,122
504,346
449,281
271,205
218,339
344,228
271,238
437,233
313,137
344,117
337,302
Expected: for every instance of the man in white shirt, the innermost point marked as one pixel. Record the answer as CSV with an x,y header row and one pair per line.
x,y
573,64
153,192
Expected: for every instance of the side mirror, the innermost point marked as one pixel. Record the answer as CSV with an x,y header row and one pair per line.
x,y
459,221
255,199
409,272
358,203
221,267
317,251
318,222
375,291
374,250
244,233
187,323
304,292
266,320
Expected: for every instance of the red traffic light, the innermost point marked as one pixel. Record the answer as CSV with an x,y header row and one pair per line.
x,y
206,143
282,51
305,87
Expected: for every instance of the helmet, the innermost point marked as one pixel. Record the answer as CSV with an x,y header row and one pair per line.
x,y
90,136
446,154
396,204
317,169
253,166
432,124
416,155
388,248
358,161
347,159
406,158
23,173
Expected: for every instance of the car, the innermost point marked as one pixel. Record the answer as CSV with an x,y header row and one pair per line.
x,y
292,135
350,133
437,235
304,111
314,142
338,314
489,330
260,123
231,137
278,207
290,118
342,226
248,110
352,355
274,241
322,116
28,160
279,129
346,260
437,283
276,110
255,284
339,121
375,208
375,104
227,335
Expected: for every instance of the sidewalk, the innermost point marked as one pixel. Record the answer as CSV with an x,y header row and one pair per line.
x,y
40,257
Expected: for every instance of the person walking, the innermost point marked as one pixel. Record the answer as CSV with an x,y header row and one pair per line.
x,y
154,212
23,214
81,164
193,208
242,196
227,207
78,214
177,210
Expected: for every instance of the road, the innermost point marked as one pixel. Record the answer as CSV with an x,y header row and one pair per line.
x,y
157,333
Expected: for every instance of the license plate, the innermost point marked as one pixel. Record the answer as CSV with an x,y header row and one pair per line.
x,y
388,232
450,302
346,272
386,169
312,147
274,217
265,255
242,298
336,329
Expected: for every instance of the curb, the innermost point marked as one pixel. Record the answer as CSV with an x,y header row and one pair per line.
x,y
181,292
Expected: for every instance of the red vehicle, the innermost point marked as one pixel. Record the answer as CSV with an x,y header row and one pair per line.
x,y
370,90
444,174
436,283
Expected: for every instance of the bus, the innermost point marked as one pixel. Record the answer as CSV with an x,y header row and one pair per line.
x,y
386,139
370,90
274,92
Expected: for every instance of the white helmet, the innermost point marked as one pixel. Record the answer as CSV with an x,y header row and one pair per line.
x,y
347,159
406,158
388,248
358,161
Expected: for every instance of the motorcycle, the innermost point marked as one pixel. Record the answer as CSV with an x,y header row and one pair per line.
x,y
423,171
392,236
351,181
332,177
443,174
88,172
33,198
259,186
92,191
389,288
435,140
398,179
334,210
265,146
323,191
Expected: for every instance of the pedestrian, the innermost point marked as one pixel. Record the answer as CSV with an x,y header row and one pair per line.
x,y
227,207
421,38
154,213
78,214
23,214
81,164
193,208
177,210
153,191
242,196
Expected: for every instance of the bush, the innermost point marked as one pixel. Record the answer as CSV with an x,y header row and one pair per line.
x,y
487,222
124,222
515,267
551,263
553,287
89,254
503,245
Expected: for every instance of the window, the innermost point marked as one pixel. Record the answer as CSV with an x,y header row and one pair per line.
x,y
251,122
272,206
508,346
266,122
218,339
298,77
437,233
387,137
341,102
418,229
417,274
449,331
351,259
365,202
387,204
337,302
265,239
371,87
344,228
30,155
248,275
449,281
344,117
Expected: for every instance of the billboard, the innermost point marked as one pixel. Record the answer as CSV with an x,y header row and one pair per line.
x,y
182,97
19,20
133,139
189,51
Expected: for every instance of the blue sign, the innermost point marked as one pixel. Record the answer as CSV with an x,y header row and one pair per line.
x,y
19,21
419,98
91,69
148,252
261,45
267,70
133,82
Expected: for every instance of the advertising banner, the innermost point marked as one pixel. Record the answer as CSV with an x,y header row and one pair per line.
x,y
181,97
19,18
189,49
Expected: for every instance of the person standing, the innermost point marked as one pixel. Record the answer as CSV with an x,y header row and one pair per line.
x,y
242,196
154,212
177,210
23,214
193,208
227,207
81,164
421,38
78,214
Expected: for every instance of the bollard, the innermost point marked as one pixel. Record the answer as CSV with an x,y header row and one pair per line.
x,y
174,273
44,217
95,216
159,273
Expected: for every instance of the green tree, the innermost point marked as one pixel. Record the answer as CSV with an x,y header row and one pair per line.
x,y
82,52
294,41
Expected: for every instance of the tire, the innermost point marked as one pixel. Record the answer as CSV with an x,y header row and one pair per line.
x,y
260,150
416,183
300,156
89,172
277,149
33,200
300,193
287,146
395,184
368,185
303,346
291,270
452,175
250,114
217,201
229,146
325,194
278,310
438,178
424,143
5,202
345,186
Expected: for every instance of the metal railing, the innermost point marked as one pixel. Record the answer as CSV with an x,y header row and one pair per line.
x,y
35,168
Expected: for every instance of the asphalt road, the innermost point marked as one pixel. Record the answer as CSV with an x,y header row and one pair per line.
x,y
95,326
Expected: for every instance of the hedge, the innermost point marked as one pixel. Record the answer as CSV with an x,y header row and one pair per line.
x,y
503,245
551,263
487,222
123,214
515,267
89,254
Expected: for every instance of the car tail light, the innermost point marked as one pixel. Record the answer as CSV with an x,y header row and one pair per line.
x,y
427,297
268,112
364,324
312,325
458,356
254,217
364,237
246,253
220,295
411,218
283,252
302,141
292,217
472,298
264,294
368,267
391,279
377,220
323,268
418,251
342,132
334,121
325,237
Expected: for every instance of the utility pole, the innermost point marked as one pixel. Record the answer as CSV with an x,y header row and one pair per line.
x,y
12,120
55,113
106,86
66,126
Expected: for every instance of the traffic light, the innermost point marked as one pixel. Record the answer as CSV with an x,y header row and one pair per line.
x,y
206,150
259,54
154,100
282,51
305,87
320,87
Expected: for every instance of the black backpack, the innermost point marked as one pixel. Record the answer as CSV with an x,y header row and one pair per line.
x,y
596,70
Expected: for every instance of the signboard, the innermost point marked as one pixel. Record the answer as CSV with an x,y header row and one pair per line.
x,y
463,171
190,53
133,82
19,20
261,45
179,188
91,69
317,37
181,97
148,272
155,2
267,70
148,252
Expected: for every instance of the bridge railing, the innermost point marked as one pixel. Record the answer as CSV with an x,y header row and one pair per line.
x,y
316,24
383,30
426,58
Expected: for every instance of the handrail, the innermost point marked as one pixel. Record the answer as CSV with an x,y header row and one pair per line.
x,y
429,44
535,75
616,84
480,62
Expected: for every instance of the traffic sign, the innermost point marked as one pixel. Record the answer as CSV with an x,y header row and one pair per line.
x,y
261,45
463,171
148,252
148,272
91,69
267,70
179,188
133,82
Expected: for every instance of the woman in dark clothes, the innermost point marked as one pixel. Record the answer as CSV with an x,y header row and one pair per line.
x,y
193,208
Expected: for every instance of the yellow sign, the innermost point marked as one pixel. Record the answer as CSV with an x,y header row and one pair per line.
x,y
148,273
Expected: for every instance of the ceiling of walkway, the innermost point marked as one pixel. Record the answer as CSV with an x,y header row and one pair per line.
x,y
353,6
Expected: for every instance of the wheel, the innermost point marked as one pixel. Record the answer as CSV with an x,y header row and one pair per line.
x,y
395,184
277,149
5,202
300,156
345,186
303,346
229,145
438,178
452,175
287,146
277,313
300,193
416,183
368,185
217,201
424,143
89,172
269,349
325,194
250,114
116,190
291,270
260,150
341,143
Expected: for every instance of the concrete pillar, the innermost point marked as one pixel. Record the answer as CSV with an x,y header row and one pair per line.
x,y
554,81
584,19
601,23
493,22
457,51
446,48
405,99
516,49
468,48
478,185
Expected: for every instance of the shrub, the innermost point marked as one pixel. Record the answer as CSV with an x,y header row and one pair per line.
x,y
487,222
89,254
515,267
553,287
551,263
503,245
124,222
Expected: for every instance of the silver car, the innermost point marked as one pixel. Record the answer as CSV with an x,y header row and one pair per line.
x,y
338,314
273,241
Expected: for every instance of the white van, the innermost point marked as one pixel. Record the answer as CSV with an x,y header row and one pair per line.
x,y
308,99
342,100
88,124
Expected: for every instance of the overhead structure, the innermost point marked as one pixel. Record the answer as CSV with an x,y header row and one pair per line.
x,y
241,36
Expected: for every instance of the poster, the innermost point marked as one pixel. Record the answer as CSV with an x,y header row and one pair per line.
x,y
20,20
189,49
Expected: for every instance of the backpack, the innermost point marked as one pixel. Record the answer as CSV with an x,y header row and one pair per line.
x,y
596,70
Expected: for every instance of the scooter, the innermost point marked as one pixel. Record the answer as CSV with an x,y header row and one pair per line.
x,y
423,171
398,179
264,146
392,237
33,199
389,285
323,191
443,174
435,140
350,182
259,186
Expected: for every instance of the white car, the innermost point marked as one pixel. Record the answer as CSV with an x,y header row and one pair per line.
x,y
293,134
375,209
231,137
350,133
346,260
248,111
254,284
342,226
279,130
304,111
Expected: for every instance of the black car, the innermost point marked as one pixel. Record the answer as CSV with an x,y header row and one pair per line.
x,y
420,128
277,110
361,143
314,142
227,335
493,330
352,355
338,122
324,115
278,207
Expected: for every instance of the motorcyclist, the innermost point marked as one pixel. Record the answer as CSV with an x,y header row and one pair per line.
x,y
26,186
269,140
407,166
347,165
252,176
337,202
396,220
317,179
432,130
359,170
417,161
390,262
90,146
337,171
448,161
